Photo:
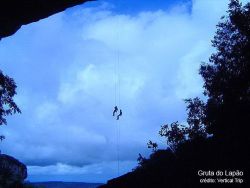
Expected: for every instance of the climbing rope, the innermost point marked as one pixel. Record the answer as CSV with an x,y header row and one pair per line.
x,y
118,148
117,98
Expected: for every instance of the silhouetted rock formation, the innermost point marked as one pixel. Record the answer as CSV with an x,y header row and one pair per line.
x,y
165,169
11,171
15,13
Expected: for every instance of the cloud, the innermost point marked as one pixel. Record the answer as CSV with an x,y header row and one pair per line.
x,y
91,172
72,68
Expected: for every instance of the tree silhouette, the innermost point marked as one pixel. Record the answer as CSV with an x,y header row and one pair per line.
x,y
152,145
174,133
7,92
196,115
217,136
7,104
141,160
7,107
227,76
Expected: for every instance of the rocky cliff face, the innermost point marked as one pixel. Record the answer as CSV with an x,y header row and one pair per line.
x,y
11,170
15,13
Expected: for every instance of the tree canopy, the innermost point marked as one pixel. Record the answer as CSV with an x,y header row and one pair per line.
x,y
227,75
7,104
7,92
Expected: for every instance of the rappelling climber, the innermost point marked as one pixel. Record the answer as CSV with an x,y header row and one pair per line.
x,y
115,110
2,137
120,114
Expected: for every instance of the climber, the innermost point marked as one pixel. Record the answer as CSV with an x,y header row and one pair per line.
x,y
2,138
120,114
115,110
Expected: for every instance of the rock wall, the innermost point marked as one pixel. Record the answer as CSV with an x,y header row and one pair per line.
x,y
12,169
15,13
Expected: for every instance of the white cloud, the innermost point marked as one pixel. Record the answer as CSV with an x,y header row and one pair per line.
x,y
47,111
92,172
64,169
189,82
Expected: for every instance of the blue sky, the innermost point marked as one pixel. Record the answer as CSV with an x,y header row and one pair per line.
x,y
65,70
133,7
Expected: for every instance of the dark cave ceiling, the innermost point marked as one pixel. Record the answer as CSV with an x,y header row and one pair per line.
x,y
15,13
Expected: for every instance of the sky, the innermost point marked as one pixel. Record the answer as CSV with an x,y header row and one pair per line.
x,y
72,68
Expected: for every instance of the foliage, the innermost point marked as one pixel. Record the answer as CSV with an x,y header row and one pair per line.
x,y
152,145
7,92
141,160
177,134
7,107
174,133
195,119
227,75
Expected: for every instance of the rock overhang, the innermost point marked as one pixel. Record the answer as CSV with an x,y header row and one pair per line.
x,y
15,13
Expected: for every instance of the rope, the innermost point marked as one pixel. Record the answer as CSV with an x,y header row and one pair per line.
x,y
115,79
117,98
118,149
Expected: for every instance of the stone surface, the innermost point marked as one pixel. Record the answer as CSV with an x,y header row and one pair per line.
x,y
12,168
15,13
